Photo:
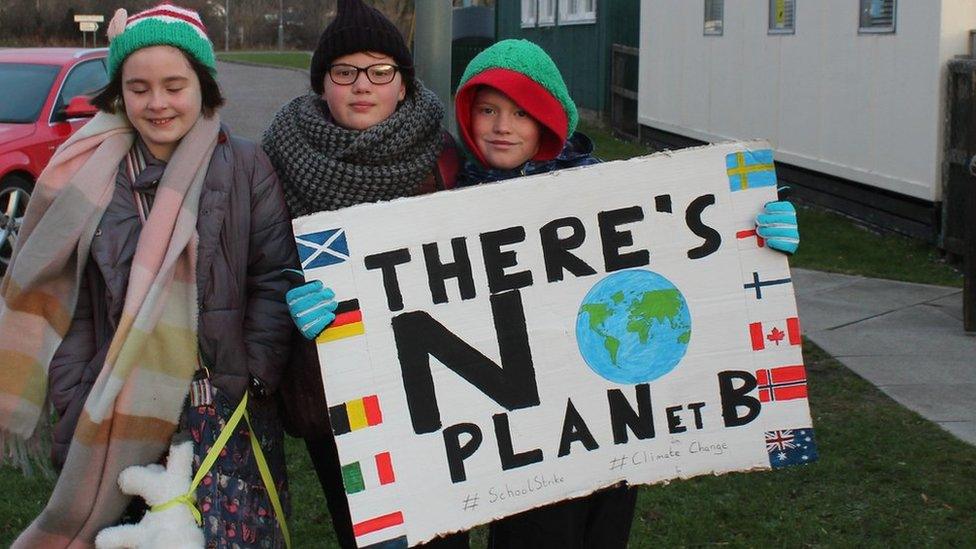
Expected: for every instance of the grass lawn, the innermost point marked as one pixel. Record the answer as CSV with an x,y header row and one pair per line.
x,y
886,478
293,59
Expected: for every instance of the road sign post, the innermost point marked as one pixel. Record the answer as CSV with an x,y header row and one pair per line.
x,y
89,23
969,261
432,50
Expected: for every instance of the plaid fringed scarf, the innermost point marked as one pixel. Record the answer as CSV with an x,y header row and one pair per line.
x,y
134,405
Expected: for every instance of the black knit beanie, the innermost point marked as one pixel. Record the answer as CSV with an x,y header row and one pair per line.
x,y
358,27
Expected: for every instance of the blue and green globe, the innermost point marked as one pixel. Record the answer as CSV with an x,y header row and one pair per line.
x,y
633,326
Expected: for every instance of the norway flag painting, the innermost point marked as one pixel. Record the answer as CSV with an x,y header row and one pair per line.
x,y
783,383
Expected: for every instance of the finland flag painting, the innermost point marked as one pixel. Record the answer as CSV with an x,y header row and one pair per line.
x,y
322,249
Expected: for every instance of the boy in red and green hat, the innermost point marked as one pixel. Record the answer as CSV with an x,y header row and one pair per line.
x,y
515,118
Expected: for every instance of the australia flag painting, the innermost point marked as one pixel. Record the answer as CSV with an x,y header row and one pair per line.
x,y
790,447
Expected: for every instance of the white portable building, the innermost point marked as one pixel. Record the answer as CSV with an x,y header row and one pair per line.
x,y
853,89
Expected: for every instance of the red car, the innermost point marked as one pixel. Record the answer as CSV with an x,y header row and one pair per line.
x,y
43,100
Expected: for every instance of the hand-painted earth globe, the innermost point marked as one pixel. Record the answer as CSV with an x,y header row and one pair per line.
x,y
633,326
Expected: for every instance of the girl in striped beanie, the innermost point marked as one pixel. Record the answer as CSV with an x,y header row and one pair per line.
x,y
145,299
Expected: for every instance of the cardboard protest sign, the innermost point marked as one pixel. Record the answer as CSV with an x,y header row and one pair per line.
x,y
501,347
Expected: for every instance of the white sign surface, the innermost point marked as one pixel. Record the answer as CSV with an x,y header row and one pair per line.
x,y
505,346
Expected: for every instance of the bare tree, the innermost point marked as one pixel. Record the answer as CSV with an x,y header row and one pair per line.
x,y
253,23
401,13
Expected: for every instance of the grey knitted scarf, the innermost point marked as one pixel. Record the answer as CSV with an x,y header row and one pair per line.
x,y
323,166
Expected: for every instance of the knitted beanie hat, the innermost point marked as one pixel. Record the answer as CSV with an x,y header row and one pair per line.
x,y
528,76
359,28
164,24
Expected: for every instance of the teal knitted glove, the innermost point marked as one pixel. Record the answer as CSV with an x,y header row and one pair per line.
x,y
312,307
777,224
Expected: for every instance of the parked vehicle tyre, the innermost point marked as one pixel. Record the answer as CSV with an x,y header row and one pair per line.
x,y
15,193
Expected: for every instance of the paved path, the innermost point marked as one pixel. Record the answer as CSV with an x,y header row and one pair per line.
x,y
254,94
907,339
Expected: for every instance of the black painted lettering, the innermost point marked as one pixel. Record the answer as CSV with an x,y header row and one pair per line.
x,y
510,459
555,250
693,218
418,337
457,452
662,203
696,407
438,272
623,416
496,260
733,398
613,240
387,262
575,430
674,420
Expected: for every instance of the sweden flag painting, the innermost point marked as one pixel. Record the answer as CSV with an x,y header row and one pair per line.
x,y
751,170
322,249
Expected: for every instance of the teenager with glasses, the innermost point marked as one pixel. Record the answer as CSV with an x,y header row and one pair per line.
x,y
370,132
377,73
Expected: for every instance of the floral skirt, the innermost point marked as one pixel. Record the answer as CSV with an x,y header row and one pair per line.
x,y
236,508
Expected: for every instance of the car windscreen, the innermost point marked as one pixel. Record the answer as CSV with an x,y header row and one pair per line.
x,y
24,87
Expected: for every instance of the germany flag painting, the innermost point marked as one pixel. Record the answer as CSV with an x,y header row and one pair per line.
x,y
348,322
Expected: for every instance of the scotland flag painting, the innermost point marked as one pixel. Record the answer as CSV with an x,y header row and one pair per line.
x,y
322,249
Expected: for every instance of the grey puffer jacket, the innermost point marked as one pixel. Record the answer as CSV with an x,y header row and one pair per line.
x,y
244,330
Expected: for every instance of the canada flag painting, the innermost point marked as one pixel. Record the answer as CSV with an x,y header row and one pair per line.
x,y
772,334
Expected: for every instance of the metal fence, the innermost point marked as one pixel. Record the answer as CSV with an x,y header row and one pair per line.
x,y
958,235
623,90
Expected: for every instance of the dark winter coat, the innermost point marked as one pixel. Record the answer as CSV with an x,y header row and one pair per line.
x,y
303,397
244,329
578,151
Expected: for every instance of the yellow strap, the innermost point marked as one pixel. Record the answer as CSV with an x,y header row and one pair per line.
x,y
268,482
185,499
189,498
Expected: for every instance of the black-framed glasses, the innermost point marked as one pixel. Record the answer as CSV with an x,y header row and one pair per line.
x,y
379,73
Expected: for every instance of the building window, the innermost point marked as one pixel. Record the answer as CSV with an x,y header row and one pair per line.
x,y
529,13
782,16
547,12
714,17
878,16
572,12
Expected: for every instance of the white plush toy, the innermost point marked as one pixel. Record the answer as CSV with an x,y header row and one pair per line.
x,y
172,528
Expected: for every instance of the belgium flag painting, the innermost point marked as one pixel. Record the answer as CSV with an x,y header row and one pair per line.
x,y
355,415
